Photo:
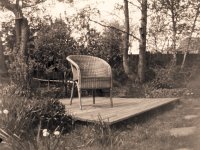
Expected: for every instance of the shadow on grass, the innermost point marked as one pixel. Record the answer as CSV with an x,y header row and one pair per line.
x,y
146,116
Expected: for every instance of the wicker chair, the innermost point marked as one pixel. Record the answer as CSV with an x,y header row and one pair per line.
x,y
90,73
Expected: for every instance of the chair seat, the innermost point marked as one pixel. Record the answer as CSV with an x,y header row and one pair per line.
x,y
95,82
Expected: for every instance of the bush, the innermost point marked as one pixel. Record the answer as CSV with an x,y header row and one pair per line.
x,y
23,116
169,82
53,44
167,78
41,123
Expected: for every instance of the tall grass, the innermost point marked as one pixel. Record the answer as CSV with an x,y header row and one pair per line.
x,y
22,120
42,124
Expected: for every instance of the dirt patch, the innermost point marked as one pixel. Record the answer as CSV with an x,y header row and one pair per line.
x,y
177,132
189,117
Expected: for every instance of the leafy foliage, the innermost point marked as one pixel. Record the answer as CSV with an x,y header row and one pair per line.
x,y
26,115
52,44
170,18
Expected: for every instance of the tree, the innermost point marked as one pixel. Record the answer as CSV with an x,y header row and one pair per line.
x,y
126,39
197,9
142,44
158,38
19,66
21,24
141,40
176,11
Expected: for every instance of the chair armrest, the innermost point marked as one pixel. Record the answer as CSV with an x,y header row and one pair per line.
x,y
77,72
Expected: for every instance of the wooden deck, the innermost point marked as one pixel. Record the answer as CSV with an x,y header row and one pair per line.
x,y
124,108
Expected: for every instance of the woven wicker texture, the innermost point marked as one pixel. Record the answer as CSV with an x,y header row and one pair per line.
x,y
90,72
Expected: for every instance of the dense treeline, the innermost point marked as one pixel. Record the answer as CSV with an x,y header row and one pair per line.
x,y
38,47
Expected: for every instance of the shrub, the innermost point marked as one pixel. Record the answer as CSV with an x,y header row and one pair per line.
x,y
40,124
53,44
166,78
25,115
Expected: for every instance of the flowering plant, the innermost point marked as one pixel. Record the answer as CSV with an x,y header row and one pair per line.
x,y
26,123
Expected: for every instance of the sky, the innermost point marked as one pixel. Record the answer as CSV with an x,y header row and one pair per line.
x,y
106,8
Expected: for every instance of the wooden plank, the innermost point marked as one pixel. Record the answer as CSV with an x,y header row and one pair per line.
x,y
119,114
48,80
138,111
117,108
124,108
91,109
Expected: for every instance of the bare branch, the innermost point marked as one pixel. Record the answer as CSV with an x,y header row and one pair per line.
x,y
139,1
115,29
135,5
8,5
25,5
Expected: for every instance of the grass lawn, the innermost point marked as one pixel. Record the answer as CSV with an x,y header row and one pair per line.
x,y
151,131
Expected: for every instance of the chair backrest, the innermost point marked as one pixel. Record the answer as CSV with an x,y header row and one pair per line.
x,y
91,66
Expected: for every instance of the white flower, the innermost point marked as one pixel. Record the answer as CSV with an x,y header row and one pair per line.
x,y
56,133
44,130
5,111
45,134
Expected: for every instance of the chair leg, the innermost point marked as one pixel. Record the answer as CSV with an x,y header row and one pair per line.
x,y
79,95
111,101
93,94
65,89
72,92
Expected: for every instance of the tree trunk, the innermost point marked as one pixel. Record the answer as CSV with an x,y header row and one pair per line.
x,y
126,39
3,68
18,34
22,34
174,59
142,45
174,30
20,62
24,38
